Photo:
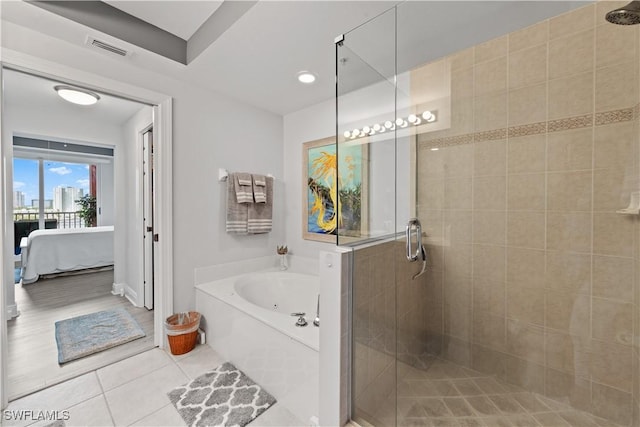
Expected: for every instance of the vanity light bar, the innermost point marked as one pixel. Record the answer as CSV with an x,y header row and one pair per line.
x,y
412,119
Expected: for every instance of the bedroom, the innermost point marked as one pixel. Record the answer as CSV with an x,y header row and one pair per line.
x,y
80,150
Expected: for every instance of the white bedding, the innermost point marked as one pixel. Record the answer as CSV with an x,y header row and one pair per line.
x,y
59,250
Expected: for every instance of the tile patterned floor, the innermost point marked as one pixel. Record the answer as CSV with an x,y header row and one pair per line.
x,y
449,395
132,392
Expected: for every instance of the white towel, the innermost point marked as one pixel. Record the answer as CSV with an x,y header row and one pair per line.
x,y
260,215
259,188
237,213
243,189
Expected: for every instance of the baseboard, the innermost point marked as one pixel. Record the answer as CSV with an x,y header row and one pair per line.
x,y
12,311
118,289
124,290
131,295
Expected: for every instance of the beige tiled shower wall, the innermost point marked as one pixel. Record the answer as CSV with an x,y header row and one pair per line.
x,y
374,359
382,335
537,273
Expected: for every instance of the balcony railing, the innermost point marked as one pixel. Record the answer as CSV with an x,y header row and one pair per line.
x,y
64,219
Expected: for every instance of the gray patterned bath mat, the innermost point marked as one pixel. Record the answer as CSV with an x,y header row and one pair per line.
x,y
222,397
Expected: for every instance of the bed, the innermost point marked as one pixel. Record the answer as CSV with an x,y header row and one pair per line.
x,y
63,250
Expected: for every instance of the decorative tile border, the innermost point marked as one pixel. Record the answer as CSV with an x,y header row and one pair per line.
x,y
526,130
577,122
616,116
570,123
490,135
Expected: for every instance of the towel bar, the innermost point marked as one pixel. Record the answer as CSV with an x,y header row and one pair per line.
x,y
223,174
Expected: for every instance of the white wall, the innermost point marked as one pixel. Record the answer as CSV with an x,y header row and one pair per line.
x,y
210,131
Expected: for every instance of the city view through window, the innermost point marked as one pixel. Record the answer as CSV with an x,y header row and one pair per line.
x,y
64,183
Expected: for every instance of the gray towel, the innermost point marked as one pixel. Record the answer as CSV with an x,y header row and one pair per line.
x,y
237,213
243,188
259,188
260,215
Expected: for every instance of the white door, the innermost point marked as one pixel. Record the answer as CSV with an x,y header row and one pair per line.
x,y
147,191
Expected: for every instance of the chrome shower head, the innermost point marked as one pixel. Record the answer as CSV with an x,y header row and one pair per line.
x,y
626,15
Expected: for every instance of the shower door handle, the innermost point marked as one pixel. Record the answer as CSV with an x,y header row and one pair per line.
x,y
415,228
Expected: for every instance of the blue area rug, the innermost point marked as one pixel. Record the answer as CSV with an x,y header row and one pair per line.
x,y
84,335
16,275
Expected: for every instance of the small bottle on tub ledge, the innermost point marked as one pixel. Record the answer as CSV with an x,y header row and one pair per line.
x,y
282,251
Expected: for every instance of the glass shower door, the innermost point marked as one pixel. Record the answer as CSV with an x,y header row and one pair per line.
x,y
366,99
520,170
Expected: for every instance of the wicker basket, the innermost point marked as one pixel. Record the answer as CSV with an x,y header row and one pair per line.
x,y
182,331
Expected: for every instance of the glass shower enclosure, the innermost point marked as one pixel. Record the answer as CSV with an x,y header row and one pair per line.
x,y
489,190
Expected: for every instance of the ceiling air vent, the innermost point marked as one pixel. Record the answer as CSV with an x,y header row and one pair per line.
x,y
99,44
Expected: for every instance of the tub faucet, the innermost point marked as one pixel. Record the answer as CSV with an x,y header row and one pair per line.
x,y
301,320
316,321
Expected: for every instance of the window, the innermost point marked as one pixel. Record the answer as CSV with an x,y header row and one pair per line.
x,y
53,202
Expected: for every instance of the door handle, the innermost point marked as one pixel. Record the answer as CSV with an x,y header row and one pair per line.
x,y
415,228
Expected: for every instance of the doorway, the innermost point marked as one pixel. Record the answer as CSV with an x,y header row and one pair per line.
x,y
161,111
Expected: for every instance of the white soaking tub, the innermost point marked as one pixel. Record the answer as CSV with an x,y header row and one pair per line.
x,y
247,319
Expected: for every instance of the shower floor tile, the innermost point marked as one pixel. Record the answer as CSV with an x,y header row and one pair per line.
x,y
448,395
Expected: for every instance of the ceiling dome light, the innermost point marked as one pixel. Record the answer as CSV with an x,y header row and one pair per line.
x,y
77,96
306,77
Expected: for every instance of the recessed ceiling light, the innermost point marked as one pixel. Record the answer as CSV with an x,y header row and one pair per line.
x,y
77,96
306,77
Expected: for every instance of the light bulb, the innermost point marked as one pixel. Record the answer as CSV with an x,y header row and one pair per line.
x,y
362,133
306,77
412,118
366,129
388,124
426,115
417,121
77,96
432,118
377,127
404,124
399,121
347,134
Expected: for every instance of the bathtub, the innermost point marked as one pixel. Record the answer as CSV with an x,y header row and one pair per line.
x,y
247,320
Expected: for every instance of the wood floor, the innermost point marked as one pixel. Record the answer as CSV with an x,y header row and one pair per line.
x,y
33,354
